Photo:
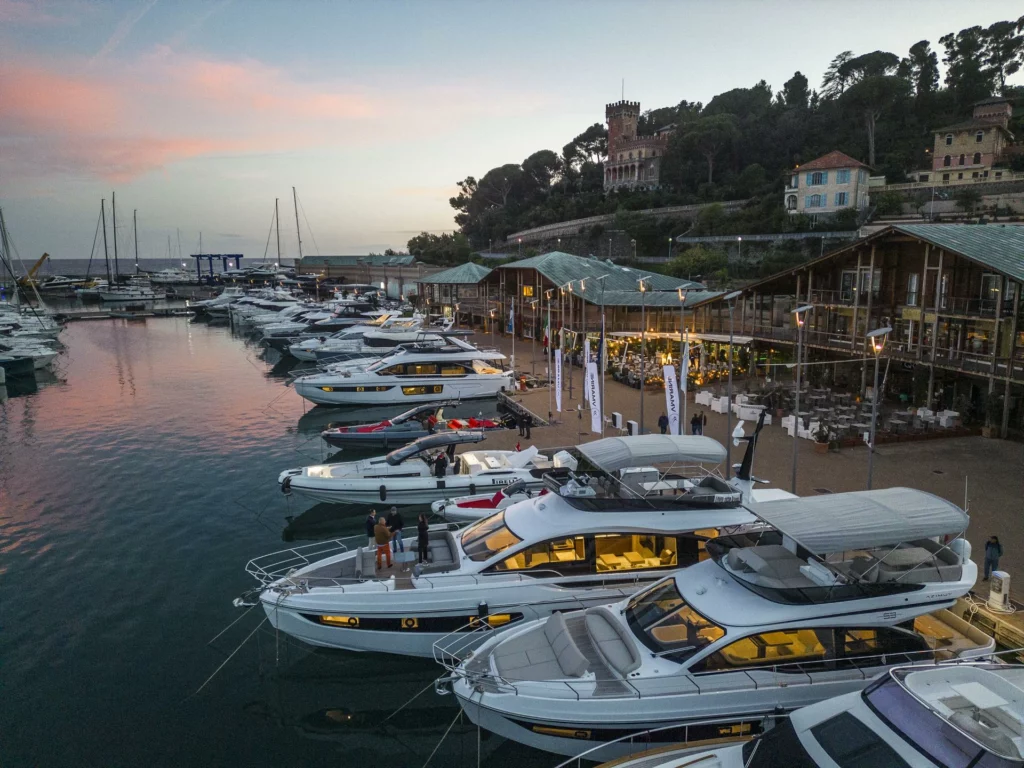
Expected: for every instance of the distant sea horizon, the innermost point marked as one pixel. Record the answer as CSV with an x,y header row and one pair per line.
x,y
97,268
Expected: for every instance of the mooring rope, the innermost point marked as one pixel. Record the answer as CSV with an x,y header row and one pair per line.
x,y
224,663
445,736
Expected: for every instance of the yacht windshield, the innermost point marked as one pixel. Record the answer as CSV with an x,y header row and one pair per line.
x,y
662,621
778,748
940,741
488,537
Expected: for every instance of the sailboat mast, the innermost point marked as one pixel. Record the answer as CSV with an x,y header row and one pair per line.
x,y
113,208
135,229
277,226
106,252
298,232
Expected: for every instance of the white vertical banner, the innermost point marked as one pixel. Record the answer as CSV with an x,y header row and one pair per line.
x,y
684,367
594,397
586,364
671,398
558,380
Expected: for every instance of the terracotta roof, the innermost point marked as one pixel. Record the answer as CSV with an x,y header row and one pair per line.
x,y
834,159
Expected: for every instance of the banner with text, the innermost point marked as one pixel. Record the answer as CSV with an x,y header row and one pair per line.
x,y
558,380
586,365
672,398
594,396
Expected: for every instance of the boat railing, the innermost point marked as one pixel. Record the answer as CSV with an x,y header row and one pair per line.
x,y
643,738
275,565
452,649
773,677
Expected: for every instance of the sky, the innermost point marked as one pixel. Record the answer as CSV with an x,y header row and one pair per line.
x,y
200,114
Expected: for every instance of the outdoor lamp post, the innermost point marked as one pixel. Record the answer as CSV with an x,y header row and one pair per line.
x,y
684,359
568,312
730,300
491,313
643,346
533,346
520,240
601,352
670,249
633,243
798,313
550,376
878,338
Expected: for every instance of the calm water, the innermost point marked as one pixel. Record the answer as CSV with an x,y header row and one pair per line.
x,y
134,486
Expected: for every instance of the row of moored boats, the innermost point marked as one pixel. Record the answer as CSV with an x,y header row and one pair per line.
x,y
621,592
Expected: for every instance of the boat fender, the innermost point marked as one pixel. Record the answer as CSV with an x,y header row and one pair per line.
x,y
472,489
383,493
482,610
286,486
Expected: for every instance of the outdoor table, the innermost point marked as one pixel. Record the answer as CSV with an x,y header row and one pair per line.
x,y
896,424
861,426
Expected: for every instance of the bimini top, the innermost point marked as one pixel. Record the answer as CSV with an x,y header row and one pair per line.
x,y
840,522
430,442
612,453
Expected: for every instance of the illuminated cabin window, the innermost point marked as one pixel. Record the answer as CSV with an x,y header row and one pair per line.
x,y
548,554
431,390
528,291
627,552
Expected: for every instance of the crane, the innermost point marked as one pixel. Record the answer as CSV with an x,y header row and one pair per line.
x,y
27,279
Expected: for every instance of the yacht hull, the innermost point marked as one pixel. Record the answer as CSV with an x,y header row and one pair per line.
x,y
387,390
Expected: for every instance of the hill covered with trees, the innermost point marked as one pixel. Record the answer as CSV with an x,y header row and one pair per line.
x,y
877,106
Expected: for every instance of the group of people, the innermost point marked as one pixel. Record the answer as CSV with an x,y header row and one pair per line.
x,y
386,534
525,422
697,423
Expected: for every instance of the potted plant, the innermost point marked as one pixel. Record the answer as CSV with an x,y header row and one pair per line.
x,y
822,436
993,416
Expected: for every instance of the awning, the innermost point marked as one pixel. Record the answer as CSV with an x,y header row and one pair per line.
x,y
431,442
612,453
840,522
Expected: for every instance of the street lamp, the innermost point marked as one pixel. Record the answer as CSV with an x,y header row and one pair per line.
x,y
600,350
643,346
878,338
684,361
739,246
533,346
491,313
730,300
670,249
550,377
520,241
798,313
633,243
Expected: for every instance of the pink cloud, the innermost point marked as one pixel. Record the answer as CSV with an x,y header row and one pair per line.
x,y
118,120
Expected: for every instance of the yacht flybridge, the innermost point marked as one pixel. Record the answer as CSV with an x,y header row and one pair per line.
x,y
413,374
834,590
601,532
943,716
407,475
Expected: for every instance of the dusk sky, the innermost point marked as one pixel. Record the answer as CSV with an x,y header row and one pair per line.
x,y
199,114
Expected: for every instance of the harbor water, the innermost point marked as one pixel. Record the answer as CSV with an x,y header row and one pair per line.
x,y
134,486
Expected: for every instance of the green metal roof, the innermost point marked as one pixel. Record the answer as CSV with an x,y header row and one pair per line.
x,y
997,246
464,274
371,259
561,268
656,299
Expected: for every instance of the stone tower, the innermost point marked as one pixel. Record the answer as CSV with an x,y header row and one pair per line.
x,y
622,117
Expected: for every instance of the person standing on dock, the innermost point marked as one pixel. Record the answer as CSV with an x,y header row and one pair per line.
x,y
695,425
993,551
382,536
527,423
663,424
440,464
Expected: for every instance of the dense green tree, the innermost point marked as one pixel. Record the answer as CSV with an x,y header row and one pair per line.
x,y
698,261
836,76
869,98
449,249
795,92
921,69
709,136
1004,46
967,75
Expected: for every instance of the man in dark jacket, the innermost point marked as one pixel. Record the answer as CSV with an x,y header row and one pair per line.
x,y
440,464
395,526
663,423
371,522
993,551
527,423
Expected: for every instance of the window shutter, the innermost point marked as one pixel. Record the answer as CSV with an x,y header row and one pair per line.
x,y
824,177
810,178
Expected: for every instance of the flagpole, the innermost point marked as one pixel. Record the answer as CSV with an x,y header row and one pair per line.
x,y
547,335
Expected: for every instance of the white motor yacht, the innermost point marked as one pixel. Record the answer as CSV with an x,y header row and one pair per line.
x,y
347,340
136,289
42,355
458,371
407,475
593,539
227,296
836,590
946,715
173,277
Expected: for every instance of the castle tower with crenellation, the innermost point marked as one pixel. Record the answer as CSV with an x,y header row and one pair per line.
x,y
633,162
